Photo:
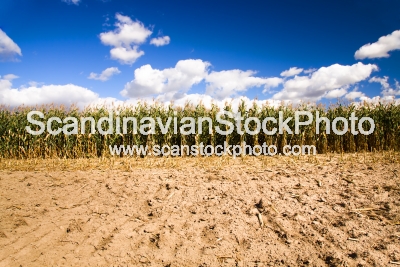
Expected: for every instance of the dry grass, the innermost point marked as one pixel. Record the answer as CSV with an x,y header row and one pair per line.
x,y
210,163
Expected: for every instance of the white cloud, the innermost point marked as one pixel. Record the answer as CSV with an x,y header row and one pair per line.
x,y
126,55
381,48
75,2
291,72
8,49
127,32
105,75
387,90
58,94
160,41
176,81
336,93
383,81
324,80
309,71
222,84
378,100
388,93
182,77
125,39
353,95
10,77
165,86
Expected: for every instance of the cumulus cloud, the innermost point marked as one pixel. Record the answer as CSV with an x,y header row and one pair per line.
x,y
222,84
381,48
75,2
105,75
387,90
127,32
383,81
355,94
388,93
291,72
58,94
125,39
378,100
160,41
174,82
164,86
336,93
323,81
126,55
8,49
182,77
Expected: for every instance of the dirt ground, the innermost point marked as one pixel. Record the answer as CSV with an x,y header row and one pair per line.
x,y
323,211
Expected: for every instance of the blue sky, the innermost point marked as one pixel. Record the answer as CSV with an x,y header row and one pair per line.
x,y
54,51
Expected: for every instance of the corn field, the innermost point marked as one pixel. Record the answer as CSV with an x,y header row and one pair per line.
x,y
17,143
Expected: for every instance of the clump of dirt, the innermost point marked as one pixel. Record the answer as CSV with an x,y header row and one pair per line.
x,y
19,222
2,234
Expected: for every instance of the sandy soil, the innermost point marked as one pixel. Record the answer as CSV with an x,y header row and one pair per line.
x,y
321,212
